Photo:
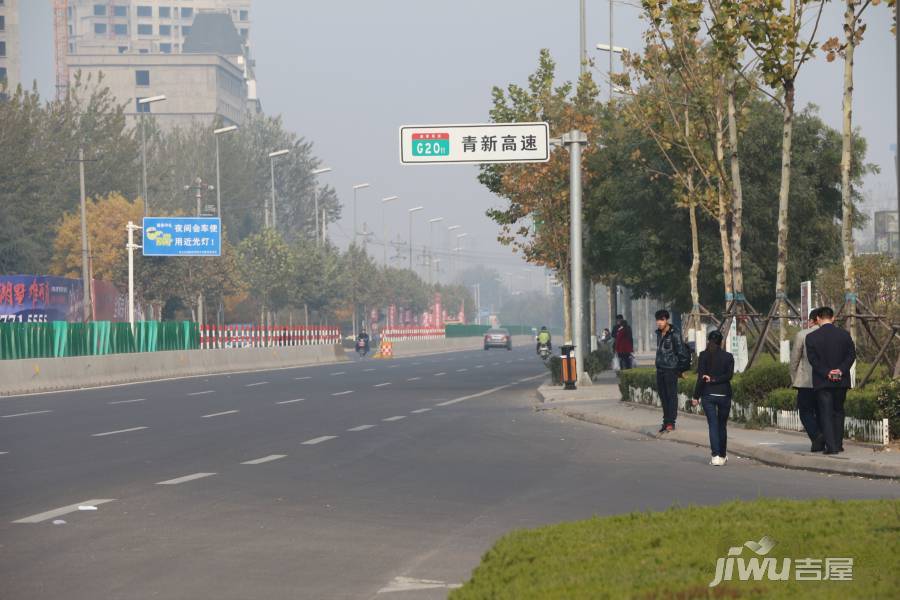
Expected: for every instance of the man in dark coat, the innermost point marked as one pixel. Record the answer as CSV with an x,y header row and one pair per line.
x,y
831,353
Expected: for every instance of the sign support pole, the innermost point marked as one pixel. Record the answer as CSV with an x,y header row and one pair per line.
x,y
131,227
574,140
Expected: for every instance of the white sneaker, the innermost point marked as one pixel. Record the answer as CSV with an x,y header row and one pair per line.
x,y
716,461
723,460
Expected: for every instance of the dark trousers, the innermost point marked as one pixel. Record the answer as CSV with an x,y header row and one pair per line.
x,y
717,409
809,414
624,361
830,405
667,386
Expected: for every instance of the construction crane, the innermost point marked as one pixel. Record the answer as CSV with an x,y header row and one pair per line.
x,y
61,41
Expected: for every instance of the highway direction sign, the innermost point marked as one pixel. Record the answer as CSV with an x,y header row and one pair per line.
x,y
475,144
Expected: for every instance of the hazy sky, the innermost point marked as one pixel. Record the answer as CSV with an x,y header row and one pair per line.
x,y
346,74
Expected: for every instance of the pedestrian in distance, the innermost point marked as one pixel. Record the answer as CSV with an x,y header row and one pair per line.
x,y
831,353
715,368
623,345
802,381
673,358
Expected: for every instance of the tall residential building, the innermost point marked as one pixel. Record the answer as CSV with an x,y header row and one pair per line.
x,y
10,48
195,52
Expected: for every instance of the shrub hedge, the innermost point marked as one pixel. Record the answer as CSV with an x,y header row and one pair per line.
x,y
768,384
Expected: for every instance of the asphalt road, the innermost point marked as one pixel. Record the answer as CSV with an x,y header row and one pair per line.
x,y
366,479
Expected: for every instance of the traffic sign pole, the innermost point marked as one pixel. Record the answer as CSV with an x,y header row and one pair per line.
x,y
574,140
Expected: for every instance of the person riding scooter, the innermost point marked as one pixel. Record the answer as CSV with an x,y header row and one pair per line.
x,y
543,339
362,343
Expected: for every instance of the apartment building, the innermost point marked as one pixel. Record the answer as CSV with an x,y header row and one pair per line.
x,y
10,47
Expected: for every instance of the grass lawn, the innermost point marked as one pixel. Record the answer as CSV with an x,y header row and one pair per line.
x,y
673,554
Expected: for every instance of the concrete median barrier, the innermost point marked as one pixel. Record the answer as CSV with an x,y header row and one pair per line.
x,y
51,374
420,347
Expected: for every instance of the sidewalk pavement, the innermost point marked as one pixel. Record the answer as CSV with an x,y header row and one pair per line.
x,y
601,404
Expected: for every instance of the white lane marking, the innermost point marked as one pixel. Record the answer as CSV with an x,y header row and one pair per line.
x,y
416,364
4,452
397,418
439,374
461,370
58,512
393,366
420,410
256,384
344,393
490,391
219,414
414,378
290,401
264,459
479,366
302,378
382,384
495,364
339,373
184,479
319,440
119,431
361,428
411,584
201,393
25,414
368,370
127,401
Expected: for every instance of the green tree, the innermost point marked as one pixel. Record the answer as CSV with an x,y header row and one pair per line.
x,y
265,266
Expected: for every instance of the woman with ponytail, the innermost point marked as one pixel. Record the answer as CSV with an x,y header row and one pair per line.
x,y
715,368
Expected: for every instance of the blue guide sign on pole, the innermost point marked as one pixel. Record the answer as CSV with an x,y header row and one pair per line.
x,y
182,236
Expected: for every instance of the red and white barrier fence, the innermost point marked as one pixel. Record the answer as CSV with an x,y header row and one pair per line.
x,y
406,334
249,336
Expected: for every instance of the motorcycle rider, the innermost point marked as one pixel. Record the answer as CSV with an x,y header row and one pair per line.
x,y
543,339
363,337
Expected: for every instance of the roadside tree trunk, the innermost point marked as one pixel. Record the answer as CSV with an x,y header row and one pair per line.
x,y
846,159
783,203
695,267
737,198
727,275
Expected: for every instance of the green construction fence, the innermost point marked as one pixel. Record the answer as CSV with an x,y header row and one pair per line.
x,y
60,339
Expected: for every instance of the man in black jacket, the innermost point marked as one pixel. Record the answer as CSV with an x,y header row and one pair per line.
x,y
672,359
831,353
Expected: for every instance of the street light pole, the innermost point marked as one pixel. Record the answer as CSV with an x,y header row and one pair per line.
x,y
358,186
85,279
431,223
316,199
217,133
574,140
146,102
272,157
384,202
411,211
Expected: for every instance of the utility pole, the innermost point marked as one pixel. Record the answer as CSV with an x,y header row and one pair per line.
x,y
85,279
574,140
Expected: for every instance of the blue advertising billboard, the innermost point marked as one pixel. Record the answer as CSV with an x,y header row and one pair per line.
x,y
182,236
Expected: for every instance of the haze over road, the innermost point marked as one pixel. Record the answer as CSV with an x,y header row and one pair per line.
x,y
353,480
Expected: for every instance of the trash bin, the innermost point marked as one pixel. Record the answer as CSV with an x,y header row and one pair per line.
x,y
569,372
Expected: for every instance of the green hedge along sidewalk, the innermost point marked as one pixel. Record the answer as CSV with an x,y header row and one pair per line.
x,y
674,554
60,339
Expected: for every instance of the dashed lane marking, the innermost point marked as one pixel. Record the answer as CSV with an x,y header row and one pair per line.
x,y
302,378
127,401
129,430
58,512
257,383
319,440
290,401
461,370
397,418
420,410
344,393
184,479
219,414
440,374
490,391
361,428
382,384
339,373
479,366
201,393
368,370
414,378
25,414
264,459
